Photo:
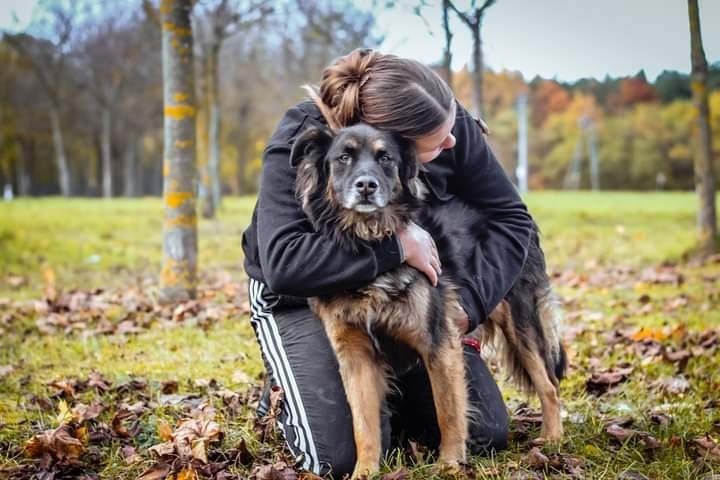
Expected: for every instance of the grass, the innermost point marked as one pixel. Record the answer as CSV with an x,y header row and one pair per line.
x,y
115,245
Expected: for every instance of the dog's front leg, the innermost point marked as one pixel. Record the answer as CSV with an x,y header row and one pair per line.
x,y
446,369
365,388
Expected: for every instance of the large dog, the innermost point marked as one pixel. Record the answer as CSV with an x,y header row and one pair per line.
x,y
361,184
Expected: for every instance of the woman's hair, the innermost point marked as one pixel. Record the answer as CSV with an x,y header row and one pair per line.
x,y
393,94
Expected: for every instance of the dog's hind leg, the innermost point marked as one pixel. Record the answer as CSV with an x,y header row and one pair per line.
x,y
365,388
529,368
446,370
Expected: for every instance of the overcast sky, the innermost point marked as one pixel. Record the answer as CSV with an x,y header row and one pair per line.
x,y
566,39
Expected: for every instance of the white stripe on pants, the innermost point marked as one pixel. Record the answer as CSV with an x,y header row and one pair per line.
x,y
274,353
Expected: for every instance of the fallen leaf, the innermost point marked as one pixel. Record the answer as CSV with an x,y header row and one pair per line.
x,y
82,413
164,430
59,444
158,472
631,475
536,459
600,382
400,474
672,385
169,386
6,370
277,471
707,447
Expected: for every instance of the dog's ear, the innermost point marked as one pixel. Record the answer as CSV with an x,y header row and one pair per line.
x,y
313,141
409,169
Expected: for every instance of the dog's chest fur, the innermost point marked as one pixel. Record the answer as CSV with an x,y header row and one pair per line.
x,y
396,303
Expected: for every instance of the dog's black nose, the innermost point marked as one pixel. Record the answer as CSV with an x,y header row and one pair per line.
x,y
366,185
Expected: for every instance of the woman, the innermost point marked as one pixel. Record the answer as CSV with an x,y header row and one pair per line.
x,y
287,261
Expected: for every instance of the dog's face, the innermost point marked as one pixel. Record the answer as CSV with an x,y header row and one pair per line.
x,y
361,169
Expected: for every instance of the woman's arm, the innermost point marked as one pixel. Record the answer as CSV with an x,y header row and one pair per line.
x,y
481,182
294,259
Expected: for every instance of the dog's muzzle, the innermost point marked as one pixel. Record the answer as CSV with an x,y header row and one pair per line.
x,y
365,195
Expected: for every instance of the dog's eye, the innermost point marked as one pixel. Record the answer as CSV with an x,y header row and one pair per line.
x,y
385,159
345,158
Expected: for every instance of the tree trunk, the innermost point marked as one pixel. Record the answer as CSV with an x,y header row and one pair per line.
x,y
179,263
447,53
214,125
477,71
105,142
703,160
23,177
130,169
60,159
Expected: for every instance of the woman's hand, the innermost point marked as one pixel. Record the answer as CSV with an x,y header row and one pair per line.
x,y
420,251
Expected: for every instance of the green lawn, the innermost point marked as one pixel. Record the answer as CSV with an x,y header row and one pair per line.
x,y
620,261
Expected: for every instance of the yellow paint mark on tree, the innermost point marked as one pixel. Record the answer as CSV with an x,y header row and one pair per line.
x,y
179,31
186,221
697,87
166,6
166,169
175,199
183,143
178,112
181,97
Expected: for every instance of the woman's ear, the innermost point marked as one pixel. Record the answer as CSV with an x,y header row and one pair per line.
x,y
312,142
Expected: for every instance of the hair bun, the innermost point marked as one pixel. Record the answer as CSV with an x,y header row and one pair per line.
x,y
355,67
342,82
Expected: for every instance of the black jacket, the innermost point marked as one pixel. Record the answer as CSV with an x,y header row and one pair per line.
x,y
282,250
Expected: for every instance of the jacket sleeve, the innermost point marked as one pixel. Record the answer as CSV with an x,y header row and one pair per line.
x,y
295,260
496,261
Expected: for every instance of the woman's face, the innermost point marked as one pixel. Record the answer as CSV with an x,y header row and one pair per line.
x,y
427,148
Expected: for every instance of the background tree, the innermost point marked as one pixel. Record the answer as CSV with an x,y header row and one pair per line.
x,y
179,263
48,54
214,22
473,19
703,154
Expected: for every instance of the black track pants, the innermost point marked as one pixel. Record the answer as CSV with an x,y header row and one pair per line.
x,y
315,417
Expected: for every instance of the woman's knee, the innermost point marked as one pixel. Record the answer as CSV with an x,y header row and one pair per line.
x,y
488,435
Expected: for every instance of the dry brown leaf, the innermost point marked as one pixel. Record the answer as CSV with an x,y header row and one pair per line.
x,y
164,430
707,447
60,444
672,385
399,474
158,472
277,471
163,449
6,370
536,459
82,413
599,382
194,436
169,387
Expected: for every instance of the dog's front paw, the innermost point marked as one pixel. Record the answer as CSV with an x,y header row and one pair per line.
x,y
363,471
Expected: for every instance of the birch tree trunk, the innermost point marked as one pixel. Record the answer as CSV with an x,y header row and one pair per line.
x,y
60,159
105,143
179,264
214,126
23,177
703,157
130,169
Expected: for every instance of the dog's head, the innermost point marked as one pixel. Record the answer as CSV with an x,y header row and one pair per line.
x,y
360,174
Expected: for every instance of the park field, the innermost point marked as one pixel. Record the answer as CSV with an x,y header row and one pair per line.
x,y
99,381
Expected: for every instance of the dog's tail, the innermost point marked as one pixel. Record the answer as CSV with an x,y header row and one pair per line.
x,y
525,330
